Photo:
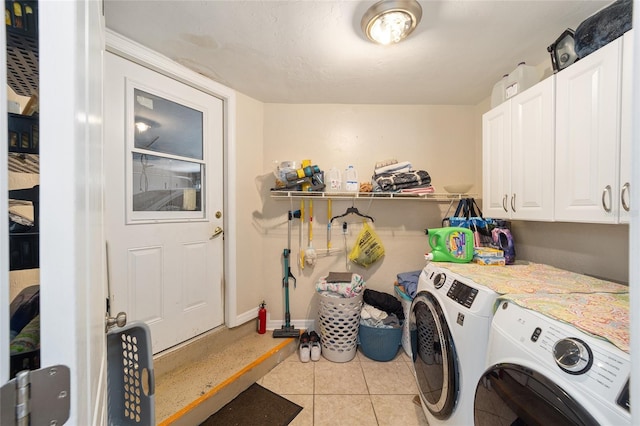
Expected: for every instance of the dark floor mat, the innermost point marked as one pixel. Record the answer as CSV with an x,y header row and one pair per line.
x,y
255,406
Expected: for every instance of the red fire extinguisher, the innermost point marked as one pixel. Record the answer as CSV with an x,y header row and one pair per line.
x,y
262,318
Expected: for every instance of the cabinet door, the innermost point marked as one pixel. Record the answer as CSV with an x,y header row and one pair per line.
x,y
532,145
623,199
587,137
496,164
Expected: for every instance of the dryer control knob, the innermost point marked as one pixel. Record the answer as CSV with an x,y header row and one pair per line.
x,y
573,355
439,279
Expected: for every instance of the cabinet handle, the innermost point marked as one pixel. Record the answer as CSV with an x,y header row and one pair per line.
x,y
607,190
625,190
504,203
513,202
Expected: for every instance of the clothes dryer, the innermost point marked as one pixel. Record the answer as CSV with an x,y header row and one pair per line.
x,y
452,317
544,371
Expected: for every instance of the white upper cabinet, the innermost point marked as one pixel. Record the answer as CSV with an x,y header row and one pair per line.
x,y
625,128
518,147
588,137
496,160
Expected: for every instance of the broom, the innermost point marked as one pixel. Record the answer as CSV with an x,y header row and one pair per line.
x,y
287,330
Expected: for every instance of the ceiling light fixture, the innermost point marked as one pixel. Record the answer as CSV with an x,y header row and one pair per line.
x,y
390,21
142,127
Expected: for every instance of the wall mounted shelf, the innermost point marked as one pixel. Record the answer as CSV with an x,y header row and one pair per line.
x,y
436,197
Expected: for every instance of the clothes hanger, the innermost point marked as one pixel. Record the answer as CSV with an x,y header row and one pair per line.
x,y
352,210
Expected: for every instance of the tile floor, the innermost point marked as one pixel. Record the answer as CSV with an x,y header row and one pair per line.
x,y
358,392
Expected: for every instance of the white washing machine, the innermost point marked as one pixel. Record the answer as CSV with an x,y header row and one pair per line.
x,y
545,372
452,317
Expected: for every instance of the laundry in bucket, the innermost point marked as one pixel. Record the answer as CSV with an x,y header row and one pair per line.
x,y
328,286
374,317
384,301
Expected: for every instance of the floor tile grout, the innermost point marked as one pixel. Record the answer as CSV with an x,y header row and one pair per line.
x,y
381,407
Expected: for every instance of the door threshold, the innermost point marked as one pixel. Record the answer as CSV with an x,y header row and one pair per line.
x,y
213,372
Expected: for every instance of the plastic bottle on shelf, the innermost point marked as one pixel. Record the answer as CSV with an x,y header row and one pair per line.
x,y
351,180
333,180
450,244
520,79
497,94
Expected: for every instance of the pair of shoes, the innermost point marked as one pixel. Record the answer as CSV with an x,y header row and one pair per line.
x,y
315,346
305,347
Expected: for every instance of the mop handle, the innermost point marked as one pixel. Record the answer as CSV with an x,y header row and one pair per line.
x,y
285,254
300,239
289,233
310,221
328,224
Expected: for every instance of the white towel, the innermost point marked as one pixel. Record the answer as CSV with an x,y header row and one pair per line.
x,y
403,166
369,311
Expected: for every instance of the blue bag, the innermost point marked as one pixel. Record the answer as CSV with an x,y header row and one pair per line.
x,y
468,215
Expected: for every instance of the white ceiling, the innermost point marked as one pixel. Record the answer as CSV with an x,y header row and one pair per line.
x,y
314,51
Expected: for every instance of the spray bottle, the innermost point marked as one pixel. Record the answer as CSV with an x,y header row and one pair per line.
x,y
503,239
450,244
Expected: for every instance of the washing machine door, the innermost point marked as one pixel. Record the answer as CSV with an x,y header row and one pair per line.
x,y
434,356
513,394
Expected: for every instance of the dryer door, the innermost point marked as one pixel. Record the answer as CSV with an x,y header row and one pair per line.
x,y
516,395
434,356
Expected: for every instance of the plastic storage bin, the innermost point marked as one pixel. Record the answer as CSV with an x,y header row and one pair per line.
x,y
130,380
380,344
339,319
24,251
23,133
21,17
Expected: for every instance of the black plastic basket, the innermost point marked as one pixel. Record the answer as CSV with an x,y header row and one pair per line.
x,y
24,251
24,134
22,18
22,46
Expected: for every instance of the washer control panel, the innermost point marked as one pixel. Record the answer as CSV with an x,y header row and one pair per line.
x,y
456,290
462,293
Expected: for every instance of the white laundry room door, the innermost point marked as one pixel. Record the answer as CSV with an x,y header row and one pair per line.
x,y
163,202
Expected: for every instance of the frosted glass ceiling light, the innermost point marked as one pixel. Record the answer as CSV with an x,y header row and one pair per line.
x,y
390,21
142,127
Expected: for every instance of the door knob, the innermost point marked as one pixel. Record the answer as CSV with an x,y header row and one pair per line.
x,y
119,320
216,232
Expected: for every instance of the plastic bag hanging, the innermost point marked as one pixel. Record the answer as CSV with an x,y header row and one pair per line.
x,y
368,247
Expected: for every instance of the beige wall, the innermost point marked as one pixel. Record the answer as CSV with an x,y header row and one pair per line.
x,y
444,140
249,151
593,249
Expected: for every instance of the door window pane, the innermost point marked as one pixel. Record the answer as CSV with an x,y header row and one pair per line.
x,y
166,151
167,127
166,184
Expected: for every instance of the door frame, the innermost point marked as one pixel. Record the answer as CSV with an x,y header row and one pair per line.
x,y
128,49
72,272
